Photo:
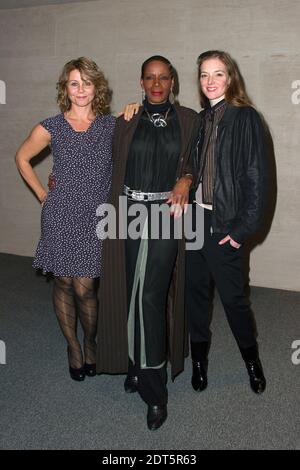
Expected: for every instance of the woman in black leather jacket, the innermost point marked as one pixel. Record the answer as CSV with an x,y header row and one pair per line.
x,y
230,186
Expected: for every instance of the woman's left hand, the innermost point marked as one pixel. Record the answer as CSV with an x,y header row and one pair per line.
x,y
51,181
179,196
231,241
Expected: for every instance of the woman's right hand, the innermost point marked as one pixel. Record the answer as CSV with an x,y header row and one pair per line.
x,y
129,111
43,198
179,196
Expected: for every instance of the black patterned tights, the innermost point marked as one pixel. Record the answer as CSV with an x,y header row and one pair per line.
x,y
72,296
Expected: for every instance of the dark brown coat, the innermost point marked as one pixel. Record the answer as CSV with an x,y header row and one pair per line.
x,y
112,353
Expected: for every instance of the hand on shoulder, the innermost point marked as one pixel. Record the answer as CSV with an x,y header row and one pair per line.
x,y
129,111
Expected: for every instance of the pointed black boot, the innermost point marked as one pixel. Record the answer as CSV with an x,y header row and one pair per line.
x,y
199,377
254,368
156,416
131,384
200,364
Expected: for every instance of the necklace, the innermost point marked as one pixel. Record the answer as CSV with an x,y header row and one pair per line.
x,y
157,119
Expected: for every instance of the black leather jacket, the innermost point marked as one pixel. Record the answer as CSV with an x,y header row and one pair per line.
x,y
240,172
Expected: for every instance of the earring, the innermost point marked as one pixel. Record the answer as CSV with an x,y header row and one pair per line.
x,y
172,97
143,95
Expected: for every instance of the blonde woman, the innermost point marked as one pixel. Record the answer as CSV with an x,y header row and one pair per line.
x,y
80,138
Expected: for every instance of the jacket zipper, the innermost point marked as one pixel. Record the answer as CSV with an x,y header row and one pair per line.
x,y
197,154
215,172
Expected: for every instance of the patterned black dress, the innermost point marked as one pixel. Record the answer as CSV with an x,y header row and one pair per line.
x,y
82,168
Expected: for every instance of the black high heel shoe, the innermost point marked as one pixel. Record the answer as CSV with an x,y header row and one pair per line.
x,y
76,374
90,369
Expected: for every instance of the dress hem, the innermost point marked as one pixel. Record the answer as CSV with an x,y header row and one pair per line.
x,y
46,272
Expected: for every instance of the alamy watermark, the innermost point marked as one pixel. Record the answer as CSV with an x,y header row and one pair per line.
x,y
296,354
2,352
2,92
295,97
150,222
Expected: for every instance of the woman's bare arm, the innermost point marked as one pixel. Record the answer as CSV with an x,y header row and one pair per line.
x,y
37,140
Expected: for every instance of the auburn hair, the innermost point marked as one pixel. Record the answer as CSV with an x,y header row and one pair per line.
x,y
236,93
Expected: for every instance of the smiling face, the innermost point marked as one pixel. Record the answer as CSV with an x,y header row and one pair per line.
x,y
214,78
157,82
80,89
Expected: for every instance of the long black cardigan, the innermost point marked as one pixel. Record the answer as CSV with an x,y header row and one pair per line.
x,y
112,352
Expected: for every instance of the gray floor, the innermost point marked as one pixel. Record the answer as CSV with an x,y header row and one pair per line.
x,y
42,408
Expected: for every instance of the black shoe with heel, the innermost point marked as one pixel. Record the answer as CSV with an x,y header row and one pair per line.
x,y
90,369
200,364
256,375
199,377
254,369
76,374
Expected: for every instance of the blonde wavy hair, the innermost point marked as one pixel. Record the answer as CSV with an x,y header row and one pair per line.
x,y
89,70
236,92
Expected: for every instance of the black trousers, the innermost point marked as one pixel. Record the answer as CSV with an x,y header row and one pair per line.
x,y
151,296
226,266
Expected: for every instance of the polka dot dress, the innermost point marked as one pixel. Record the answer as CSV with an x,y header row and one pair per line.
x,y
82,167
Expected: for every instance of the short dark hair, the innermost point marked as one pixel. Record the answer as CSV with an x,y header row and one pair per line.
x,y
160,58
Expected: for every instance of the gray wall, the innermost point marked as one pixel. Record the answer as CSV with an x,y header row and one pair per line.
x,y
262,36
8,4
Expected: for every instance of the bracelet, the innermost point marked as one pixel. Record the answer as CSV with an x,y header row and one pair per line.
x,y
190,175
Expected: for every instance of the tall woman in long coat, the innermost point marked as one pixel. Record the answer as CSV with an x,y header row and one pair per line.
x,y
144,276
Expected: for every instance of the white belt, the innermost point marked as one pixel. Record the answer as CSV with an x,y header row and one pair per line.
x,y
140,196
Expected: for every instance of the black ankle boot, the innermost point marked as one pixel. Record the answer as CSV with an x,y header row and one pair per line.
x,y
256,374
254,368
200,364
199,377
156,416
131,384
